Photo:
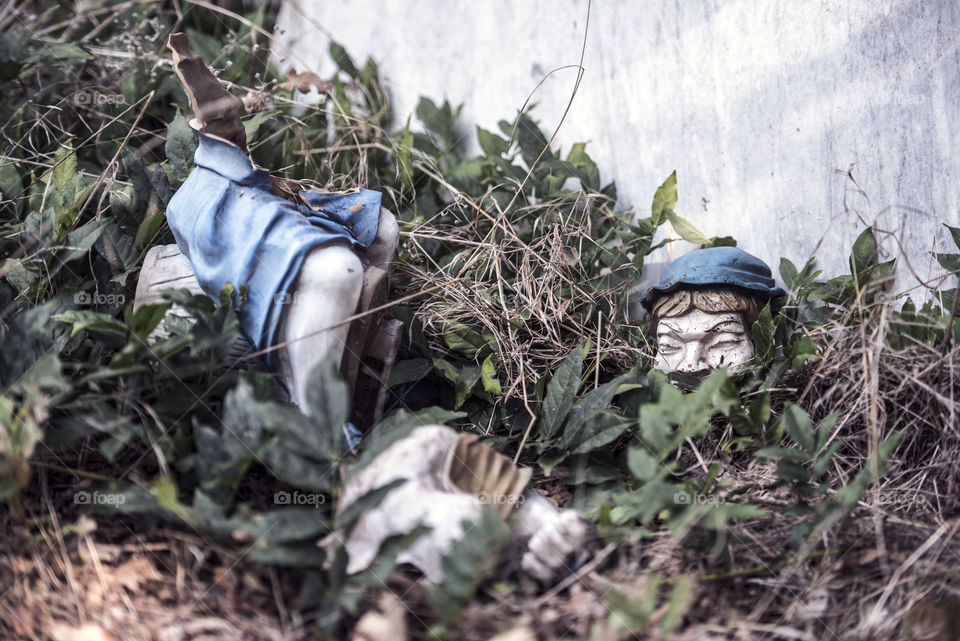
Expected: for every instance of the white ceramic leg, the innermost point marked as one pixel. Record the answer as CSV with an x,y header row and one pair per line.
x,y
325,293
381,251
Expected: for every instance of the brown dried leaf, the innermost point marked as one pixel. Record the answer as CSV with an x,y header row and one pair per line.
x,y
137,570
304,81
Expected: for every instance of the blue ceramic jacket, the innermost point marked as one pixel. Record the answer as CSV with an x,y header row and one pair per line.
x,y
233,229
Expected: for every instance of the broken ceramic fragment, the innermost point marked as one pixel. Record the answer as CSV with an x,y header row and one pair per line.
x,y
702,311
448,478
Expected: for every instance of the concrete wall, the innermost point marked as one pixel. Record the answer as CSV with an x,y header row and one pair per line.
x,y
765,108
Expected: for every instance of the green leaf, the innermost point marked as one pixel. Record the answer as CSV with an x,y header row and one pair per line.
x,y
463,377
164,490
284,525
252,124
777,453
284,460
439,121
470,560
343,60
531,140
824,458
801,350
720,241
298,556
295,440
328,399
409,371
604,429
642,464
464,340
82,319
680,599
367,502
11,185
488,375
149,227
79,241
955,234
586,169
835,290
180,146
800,428
492,144
587,409
789,274
864,254
764,345
950,262
686,229
664,200
147,317
65,166
792,472
562,392
657,420
57,51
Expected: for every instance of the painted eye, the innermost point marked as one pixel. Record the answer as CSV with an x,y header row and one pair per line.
x,y
727,342
668,347
723,344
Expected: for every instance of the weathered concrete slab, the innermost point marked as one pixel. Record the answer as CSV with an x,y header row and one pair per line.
x,y
762,107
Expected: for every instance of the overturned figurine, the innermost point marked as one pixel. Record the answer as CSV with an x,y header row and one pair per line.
x,y
305,261
302,263
448,478
702,311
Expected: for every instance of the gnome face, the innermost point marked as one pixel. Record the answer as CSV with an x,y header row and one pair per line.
x,y
699,342
703,309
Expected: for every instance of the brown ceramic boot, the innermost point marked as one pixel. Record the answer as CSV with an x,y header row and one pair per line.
x,y
216,111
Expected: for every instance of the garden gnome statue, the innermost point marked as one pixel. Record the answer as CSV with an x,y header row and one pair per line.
x,y
702,311
306,260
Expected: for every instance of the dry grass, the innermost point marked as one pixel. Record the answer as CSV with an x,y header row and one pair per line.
x,y
99,579
535,298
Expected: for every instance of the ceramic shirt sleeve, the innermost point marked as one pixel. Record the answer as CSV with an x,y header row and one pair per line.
x,y
233,229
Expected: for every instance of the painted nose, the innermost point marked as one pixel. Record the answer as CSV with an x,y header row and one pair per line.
x,y
694,359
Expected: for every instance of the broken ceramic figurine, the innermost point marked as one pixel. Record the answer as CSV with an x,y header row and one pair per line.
x,y
702,311
308,260
449,477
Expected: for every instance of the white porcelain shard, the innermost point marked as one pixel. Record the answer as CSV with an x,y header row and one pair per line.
x,y
449,477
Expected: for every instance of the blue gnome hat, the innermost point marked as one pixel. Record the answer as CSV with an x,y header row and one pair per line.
x,y
712,267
